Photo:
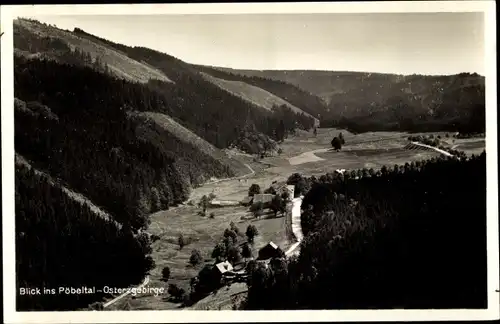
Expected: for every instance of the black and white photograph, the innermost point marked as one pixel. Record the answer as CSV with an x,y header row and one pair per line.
x,y
258,158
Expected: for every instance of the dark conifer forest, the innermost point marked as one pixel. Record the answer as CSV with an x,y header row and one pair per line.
x,y
407,237
62,243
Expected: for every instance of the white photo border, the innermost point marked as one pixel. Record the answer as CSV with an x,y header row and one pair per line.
x,y
8,13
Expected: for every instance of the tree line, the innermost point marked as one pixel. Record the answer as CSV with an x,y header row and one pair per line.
x,y
62,243
407,236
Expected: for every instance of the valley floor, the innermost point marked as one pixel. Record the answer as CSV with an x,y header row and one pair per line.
x,y
303,153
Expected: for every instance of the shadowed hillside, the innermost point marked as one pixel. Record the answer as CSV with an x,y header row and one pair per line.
x,y
305,100
375,101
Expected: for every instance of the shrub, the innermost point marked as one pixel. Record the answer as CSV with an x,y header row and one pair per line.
x,y
181,241
195,258
234,254
165,273
251,232
253,190
176,292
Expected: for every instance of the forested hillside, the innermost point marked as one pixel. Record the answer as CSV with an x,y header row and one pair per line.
x,y
375,101
82,135
406,237
63,243
209,111
305,100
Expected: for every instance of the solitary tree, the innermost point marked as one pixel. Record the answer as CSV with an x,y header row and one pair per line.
x,y
234,228
246,251
234,254
336,143
219,253
204,201
253,190
251,232
176,292
231,234
165,273
195,258
341,138
181,241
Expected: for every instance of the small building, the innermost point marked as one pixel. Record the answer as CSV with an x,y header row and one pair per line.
x,y
271,250
265,199
340,171
282,187
223,267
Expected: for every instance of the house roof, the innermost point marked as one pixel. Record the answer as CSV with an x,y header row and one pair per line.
x,y
271,245
263,198
224,267
278,185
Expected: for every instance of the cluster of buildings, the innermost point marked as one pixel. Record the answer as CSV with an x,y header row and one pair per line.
x,y
225,270
267,198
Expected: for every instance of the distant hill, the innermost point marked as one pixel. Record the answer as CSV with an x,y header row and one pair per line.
x,y
305,100
375,101
253,94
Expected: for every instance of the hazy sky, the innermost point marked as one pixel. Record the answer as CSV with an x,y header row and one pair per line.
x,y
423,43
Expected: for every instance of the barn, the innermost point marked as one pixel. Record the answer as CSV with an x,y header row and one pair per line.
x,y
265,199
282,187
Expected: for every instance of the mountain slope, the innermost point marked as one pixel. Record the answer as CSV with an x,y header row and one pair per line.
x,y
214,105
305,100
156,127
41,39
253,94
376,101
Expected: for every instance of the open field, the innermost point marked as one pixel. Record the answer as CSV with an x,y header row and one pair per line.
x,y
205,233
